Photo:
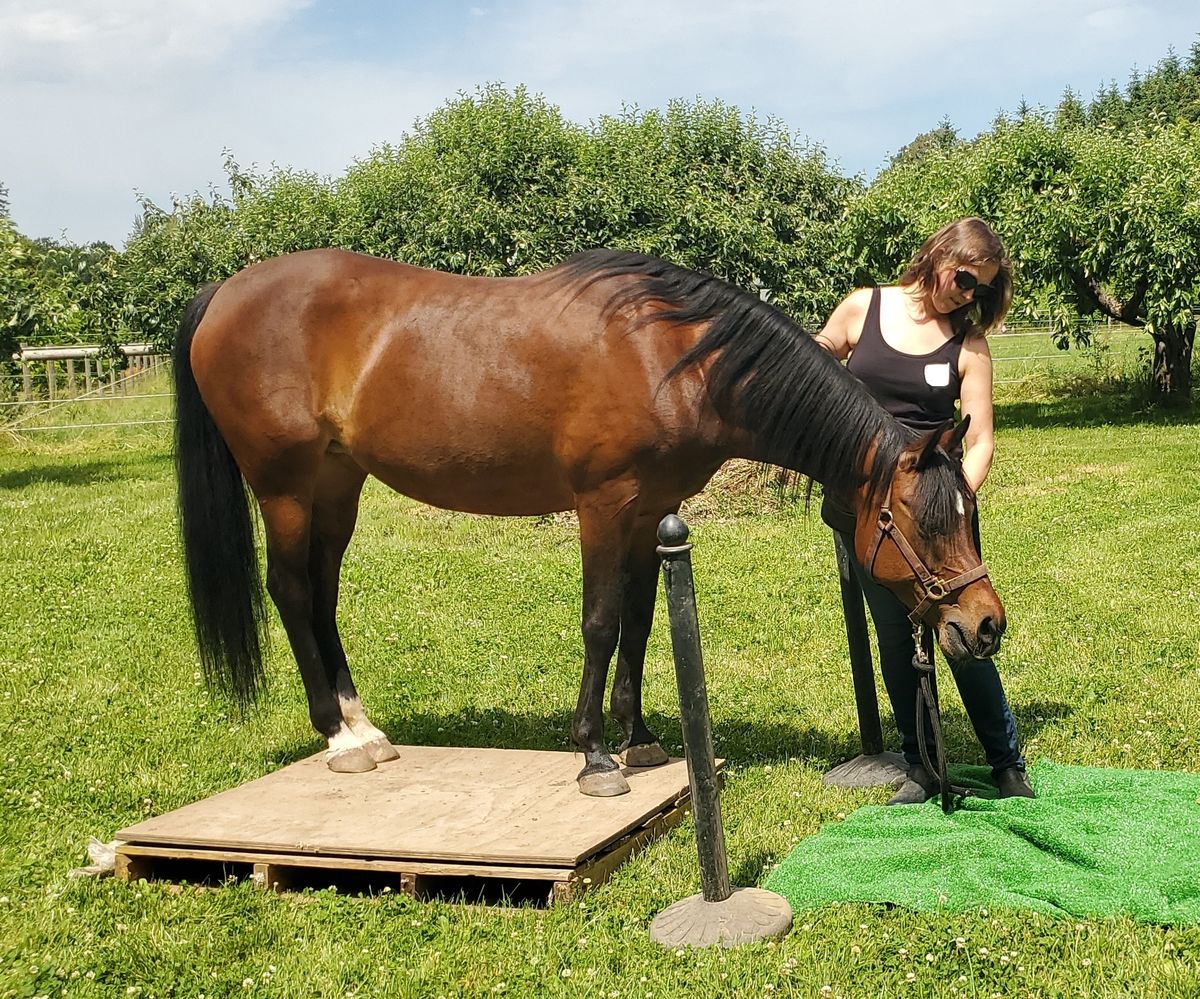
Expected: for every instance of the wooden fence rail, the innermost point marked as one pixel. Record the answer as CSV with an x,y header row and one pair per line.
x,y
77,371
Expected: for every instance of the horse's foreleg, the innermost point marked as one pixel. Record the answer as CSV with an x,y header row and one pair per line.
x,y
640,748
605,521
335,511
288,527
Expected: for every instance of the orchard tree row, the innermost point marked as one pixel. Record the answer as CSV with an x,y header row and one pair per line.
x,y
1099,204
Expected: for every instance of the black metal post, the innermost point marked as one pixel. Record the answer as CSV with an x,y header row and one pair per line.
x,y
862,667
720,914
676,556
873,767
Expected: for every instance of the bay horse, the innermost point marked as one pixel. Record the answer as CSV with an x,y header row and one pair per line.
x,y
614,384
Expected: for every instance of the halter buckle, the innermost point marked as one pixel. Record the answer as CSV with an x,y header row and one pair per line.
x,y
937,589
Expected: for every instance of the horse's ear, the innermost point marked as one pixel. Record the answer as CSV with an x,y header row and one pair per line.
x,y
952,440
928,444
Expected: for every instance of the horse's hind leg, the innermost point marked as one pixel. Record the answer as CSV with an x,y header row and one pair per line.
x,y
605,520
640,748
287,518
335,511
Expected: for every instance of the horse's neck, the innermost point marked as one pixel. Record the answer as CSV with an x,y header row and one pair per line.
x,y
835,461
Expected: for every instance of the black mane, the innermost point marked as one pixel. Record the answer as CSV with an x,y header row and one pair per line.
x,y
807,411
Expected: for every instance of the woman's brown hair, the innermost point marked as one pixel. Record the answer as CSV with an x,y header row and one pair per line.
x,y
967,241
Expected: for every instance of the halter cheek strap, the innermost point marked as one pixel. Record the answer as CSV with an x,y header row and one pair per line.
x,y
935,587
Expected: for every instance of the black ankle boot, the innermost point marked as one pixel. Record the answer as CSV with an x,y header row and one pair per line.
x,y
918,787
1014,783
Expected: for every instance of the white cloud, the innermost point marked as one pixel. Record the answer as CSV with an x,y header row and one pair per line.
x,y
102,97
86,38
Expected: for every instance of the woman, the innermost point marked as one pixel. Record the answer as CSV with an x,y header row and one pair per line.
x,y
920,347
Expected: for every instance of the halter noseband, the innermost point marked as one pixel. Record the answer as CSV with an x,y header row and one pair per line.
x,y
936,589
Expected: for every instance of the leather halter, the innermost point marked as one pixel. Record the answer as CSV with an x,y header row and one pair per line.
x,y
936,588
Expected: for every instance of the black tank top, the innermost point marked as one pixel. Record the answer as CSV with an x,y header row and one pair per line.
x,y
919,390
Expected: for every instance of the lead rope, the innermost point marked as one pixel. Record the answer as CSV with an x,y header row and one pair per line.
x,y
927,701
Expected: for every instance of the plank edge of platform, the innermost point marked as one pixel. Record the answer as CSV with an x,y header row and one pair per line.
x,y
590,871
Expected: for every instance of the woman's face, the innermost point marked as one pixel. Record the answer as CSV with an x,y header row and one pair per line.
x,y
958,284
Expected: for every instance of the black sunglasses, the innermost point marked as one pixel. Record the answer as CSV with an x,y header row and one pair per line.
x,y
966,281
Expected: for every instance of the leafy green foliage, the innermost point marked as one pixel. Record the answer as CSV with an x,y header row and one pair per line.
x,y
942,138
171,255
1098,222
484,185
1097,202
499,183
1170,92
52,292
17,290
714,190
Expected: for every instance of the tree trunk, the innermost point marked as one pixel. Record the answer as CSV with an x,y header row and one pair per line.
x,y
1172,371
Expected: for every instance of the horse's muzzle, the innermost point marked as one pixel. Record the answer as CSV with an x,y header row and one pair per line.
x,y
961,642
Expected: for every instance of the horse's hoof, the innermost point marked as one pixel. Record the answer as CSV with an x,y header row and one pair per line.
x,y
355,760
380,750
649,755
604,784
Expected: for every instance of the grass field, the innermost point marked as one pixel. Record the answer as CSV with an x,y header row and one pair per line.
x,y
1028,361
464,632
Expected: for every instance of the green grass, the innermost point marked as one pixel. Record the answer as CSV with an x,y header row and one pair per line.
x,y
463,631
1027,360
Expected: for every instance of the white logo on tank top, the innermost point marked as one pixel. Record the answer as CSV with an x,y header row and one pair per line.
x,y
937,375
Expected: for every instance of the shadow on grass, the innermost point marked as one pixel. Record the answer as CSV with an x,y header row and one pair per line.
x,y
739,742
1084,405
742,742
85,472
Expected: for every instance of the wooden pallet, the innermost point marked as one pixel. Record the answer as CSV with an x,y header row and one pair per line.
x,y
484,823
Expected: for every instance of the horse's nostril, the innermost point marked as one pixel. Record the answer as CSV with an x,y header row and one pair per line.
x,y
988,632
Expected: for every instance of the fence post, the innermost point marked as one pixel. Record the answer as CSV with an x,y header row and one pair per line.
x,y
720,914
71,376
26,381
872,767
51,380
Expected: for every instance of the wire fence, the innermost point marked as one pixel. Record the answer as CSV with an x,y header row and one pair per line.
x,y
72,389
1025,353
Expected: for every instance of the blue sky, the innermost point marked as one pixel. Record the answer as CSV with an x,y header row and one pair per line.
x,y
103,99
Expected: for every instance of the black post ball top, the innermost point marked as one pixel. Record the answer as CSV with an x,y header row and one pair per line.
x,y
672,531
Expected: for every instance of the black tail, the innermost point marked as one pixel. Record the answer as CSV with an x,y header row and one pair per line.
x,y
218,535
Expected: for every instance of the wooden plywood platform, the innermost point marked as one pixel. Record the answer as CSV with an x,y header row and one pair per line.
x,y
435,813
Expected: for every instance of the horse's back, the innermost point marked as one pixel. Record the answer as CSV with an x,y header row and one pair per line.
x,y
504,395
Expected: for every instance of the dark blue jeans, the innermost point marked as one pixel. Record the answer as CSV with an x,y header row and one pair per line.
x,y
978,682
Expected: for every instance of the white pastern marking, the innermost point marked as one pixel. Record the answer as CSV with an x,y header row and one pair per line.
x,y
352,709
344,739
356,718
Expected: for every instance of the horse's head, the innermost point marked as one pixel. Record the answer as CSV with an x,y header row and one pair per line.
x,y
916,538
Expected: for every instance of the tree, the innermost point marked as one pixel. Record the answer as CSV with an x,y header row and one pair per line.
x,y
1170,92
484,185
499,183
711,188
944,137
1099,221
1070,112
17,307
172,253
